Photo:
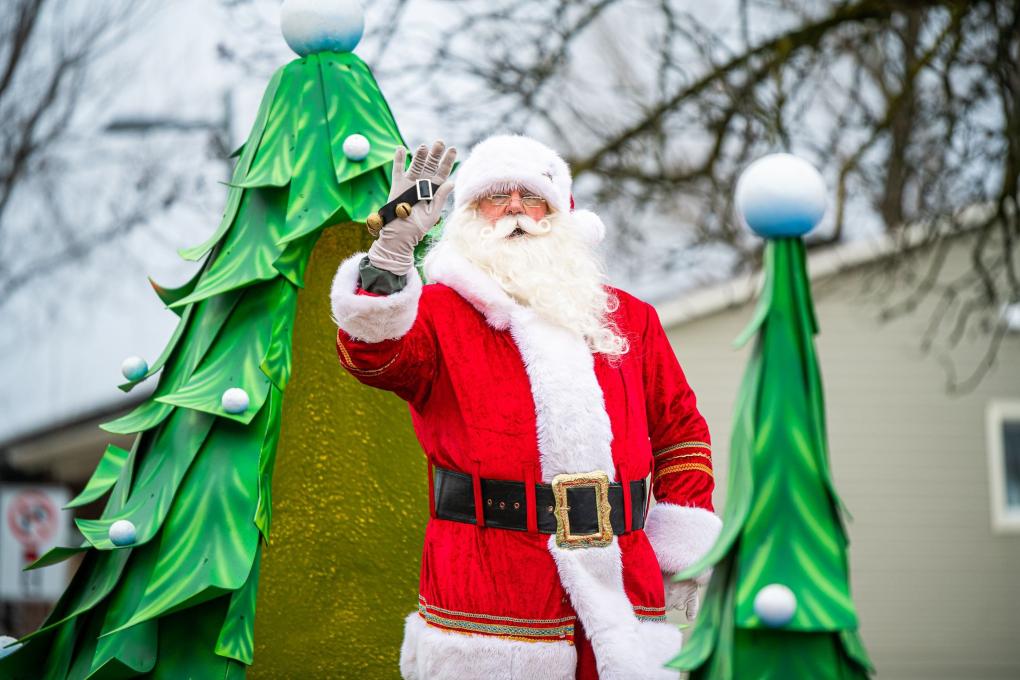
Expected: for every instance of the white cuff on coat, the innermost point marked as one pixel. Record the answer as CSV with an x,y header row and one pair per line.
x,y
679,535
372,318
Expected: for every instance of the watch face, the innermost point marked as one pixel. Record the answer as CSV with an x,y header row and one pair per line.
x,y
424,190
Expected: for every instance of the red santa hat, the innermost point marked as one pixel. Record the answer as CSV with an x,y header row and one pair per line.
x,y
503,161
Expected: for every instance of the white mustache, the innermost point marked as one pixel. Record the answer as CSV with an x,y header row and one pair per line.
x,y
508,224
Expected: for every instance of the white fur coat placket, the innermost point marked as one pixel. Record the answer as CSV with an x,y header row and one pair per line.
x,y
574,436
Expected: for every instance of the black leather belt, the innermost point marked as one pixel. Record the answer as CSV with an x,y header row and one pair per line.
x,y
505,504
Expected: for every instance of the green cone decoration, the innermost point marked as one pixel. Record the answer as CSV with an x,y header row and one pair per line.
x,y
180,600
782,525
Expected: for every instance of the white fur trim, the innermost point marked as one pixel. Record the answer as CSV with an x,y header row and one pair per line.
x,y
625,648
574,435
590,225
513,159
372,318
445,265
680,536
431,653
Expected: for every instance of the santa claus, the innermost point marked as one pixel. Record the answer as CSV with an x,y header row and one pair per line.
x,y
545,401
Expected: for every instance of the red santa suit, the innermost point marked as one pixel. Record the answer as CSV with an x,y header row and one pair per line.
x,y
497,392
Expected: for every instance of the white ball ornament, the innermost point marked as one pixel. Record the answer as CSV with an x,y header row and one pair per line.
x,y
775,605
4,649
781,195
311,26
122,532
356,147
234,401
134,368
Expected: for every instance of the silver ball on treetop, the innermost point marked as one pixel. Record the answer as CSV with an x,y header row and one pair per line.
x,y
134,368
356,147
775,605
781,195
234,400
122,532
311,26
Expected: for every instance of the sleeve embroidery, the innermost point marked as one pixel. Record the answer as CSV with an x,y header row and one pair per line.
x,y
668,459
683,467
682,445
347,362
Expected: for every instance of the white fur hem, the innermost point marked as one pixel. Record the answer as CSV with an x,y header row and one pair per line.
x,y
430,653
371,318
574,435
680,536
625,647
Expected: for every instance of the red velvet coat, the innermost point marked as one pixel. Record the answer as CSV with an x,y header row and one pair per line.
x,y
497,392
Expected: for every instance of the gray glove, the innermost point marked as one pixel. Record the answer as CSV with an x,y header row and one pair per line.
x,y
682,595
393,251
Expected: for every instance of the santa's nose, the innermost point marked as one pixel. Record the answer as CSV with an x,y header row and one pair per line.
x,y
516,204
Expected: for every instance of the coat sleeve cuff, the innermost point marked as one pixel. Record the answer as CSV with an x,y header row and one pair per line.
x,y
679,535
369,318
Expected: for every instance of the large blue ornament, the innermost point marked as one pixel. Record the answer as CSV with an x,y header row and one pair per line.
x,y
311,26
780,196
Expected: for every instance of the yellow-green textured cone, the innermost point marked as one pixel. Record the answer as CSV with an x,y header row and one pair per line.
x,y
349,507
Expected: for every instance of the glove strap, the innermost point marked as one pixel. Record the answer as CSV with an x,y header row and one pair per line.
x,y
423,190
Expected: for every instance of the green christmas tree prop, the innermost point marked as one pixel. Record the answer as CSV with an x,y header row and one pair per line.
x,y
178,600
778,604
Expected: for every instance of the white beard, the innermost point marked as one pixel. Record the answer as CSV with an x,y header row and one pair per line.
x,y
549,268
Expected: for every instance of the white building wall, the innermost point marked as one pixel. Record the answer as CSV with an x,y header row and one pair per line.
x,y
937,592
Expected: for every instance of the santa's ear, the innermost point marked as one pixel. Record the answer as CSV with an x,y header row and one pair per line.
x,y
590,226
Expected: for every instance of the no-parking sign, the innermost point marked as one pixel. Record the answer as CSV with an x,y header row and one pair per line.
x,y
31,522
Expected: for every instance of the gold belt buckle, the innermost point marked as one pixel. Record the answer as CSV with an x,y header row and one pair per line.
x,y
597,480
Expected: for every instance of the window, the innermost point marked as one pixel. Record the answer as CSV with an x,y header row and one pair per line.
x,y
1004,464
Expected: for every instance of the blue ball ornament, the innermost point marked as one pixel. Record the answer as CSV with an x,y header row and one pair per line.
x,y
122,533
234,401
311,26
134,368
780,196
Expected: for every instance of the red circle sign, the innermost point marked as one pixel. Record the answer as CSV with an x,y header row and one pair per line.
x,y
32,517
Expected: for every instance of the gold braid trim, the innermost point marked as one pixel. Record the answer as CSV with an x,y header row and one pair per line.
x,y
511,619
348,362
683,445
682,468
494,629
706,456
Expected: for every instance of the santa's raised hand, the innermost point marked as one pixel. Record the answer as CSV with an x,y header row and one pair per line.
x,y
393,251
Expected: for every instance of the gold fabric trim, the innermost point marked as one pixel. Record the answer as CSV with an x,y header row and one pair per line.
x,y
683,467
492,617
683,445
348,362
706,456
495,629
649,617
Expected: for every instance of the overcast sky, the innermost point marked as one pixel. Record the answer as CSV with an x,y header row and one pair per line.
x,y
62,340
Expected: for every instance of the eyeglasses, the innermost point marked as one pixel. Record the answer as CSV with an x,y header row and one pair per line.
x,y
503,200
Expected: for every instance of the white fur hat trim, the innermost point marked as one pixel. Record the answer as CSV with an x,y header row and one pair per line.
x,y
504,160
590,226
